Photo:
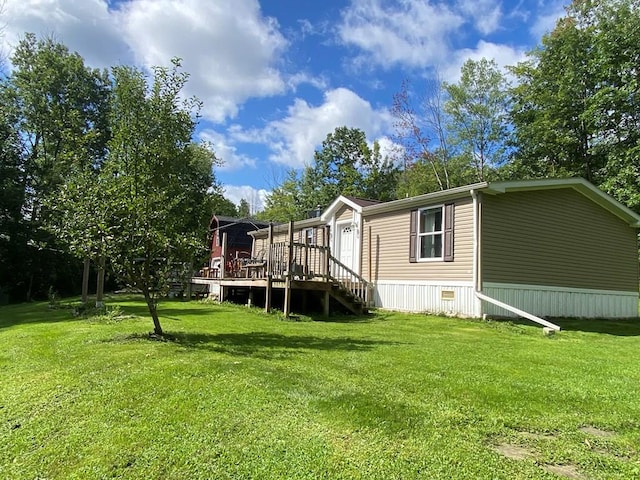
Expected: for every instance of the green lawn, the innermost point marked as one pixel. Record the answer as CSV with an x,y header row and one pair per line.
x,y
241,394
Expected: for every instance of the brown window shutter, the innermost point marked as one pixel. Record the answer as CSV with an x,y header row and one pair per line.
x,y
413,236
448,232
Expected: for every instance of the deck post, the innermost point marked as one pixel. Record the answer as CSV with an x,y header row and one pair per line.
x,y
327,298
305,259
327,254
223,255
287,280
268,291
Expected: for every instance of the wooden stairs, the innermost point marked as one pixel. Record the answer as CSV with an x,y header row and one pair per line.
x,y
348,288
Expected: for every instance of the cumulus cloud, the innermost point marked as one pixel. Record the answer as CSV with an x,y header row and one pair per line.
x,y
86,27
256,197
503,55
294,138
230,49
485,14
546,22
227,151
411,32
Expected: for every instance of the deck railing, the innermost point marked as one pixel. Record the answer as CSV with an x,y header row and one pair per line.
x,y
307,262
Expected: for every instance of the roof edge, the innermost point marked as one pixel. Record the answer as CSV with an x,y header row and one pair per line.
x,y
581,185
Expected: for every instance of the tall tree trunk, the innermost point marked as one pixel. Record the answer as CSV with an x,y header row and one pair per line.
x,y
100,284
151,304
85,281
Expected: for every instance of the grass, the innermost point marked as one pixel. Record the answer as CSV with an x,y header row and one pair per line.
x,y
240,394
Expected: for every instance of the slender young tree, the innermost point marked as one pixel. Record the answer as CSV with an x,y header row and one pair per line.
x,y
155,180
477,106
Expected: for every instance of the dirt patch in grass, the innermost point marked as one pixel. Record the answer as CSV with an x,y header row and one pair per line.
x,y
517,452
597,432
567,471
514,452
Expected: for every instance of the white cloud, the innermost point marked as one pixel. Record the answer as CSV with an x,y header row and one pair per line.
x,y
502,54
86,27
230,49
546,23
254,196
486,14
227,151
293,139
411,32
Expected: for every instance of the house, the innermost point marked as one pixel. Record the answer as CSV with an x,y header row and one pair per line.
x,y
239,244
555,248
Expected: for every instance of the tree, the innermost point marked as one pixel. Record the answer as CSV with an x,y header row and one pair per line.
x,y
220,205
284,202
346,165
477,107
576,109
57,109
420,126
244,211
155,181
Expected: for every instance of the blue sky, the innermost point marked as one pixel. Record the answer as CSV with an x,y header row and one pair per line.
x,y
276,76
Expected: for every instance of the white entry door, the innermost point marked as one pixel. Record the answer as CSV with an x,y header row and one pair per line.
x,y
345,245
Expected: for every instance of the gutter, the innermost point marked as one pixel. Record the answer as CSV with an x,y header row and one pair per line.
x,y
476,276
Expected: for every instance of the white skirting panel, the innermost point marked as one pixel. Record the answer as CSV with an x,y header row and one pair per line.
x,y
548,301
452,298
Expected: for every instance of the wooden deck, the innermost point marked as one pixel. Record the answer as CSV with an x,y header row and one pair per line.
x,y
292,267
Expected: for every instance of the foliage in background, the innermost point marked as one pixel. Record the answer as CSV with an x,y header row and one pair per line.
x,y
576,108
53,122
344,165
477,108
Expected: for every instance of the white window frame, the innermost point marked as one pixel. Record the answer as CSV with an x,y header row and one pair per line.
x,y
419,235
309,234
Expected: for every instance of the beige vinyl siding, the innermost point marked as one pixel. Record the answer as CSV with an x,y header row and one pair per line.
x,y
557,238
389,244
345,213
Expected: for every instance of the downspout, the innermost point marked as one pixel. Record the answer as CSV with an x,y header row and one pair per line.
x,y
476,251
477,291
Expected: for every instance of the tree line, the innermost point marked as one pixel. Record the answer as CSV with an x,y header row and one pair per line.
x,y
97,165
572,108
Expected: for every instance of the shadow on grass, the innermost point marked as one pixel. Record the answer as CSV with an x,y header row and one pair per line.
x,y
260,344
618,327
26,313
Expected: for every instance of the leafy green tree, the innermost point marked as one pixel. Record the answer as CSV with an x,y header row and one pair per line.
x,y
576,108
244,210
284,202
477,108
56,108
155,180
346,165
220,205
554,133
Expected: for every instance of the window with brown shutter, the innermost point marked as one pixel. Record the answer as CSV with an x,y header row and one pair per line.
x,y
448,232
431,233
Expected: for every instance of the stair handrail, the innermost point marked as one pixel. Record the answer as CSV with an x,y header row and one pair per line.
x,y
351,281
